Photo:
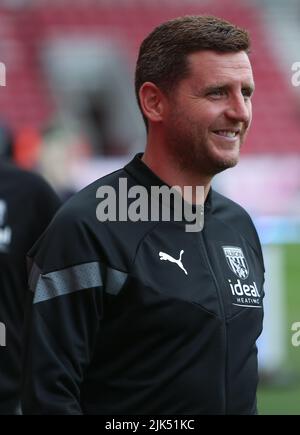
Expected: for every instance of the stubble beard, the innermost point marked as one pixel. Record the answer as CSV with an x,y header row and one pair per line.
x,y
190,150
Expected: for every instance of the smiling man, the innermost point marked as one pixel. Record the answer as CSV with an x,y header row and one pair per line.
x,y
210,111
143,317
197,101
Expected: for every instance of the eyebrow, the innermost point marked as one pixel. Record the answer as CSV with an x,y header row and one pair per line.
x,y
249,87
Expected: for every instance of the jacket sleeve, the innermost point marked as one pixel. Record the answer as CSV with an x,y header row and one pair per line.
x,y
63,318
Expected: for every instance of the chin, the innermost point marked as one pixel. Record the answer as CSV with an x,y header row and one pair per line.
x,y
221,163
227,163
228,157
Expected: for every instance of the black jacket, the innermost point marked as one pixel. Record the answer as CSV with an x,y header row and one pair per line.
x,y
115,330
27,204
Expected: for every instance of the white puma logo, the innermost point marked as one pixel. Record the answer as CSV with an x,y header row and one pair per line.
x,y
164,256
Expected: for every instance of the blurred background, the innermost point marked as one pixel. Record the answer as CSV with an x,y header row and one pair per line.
x,y
68,111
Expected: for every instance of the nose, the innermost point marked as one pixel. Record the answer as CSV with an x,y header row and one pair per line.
x,y
239,109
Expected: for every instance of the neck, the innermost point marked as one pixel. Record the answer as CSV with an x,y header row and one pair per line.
x,y
161,162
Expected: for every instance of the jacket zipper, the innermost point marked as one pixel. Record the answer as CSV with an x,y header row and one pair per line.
x,y
221,304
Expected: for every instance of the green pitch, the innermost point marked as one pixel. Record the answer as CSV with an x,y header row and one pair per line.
x,y
285,399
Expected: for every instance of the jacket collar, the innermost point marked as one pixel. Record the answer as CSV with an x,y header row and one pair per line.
x,y
144,176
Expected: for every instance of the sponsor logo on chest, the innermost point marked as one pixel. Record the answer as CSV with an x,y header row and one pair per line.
x,y
244,295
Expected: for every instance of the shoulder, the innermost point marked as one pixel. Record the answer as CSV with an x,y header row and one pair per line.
x,y
229,208
23,181
77,235
235,216
81,207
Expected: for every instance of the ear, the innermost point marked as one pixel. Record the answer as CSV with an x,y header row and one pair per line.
x,y
152,101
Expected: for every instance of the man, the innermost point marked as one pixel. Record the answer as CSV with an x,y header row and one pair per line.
x,y
144,317
27,204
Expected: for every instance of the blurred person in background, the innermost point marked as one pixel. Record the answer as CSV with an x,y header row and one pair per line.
x,y
89,78
116,330
27,204
6,142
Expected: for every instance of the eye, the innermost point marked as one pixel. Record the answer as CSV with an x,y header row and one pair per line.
x,y
247,93
216,93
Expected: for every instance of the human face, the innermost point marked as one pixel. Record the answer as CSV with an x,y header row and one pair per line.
x,y
209,113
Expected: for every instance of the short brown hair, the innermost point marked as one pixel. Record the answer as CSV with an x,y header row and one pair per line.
x,y
162,55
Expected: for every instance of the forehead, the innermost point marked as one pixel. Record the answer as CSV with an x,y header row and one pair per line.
x,y
213,67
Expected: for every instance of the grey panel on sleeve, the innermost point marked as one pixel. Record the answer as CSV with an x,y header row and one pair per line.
x,y
34,276
114,281
67,281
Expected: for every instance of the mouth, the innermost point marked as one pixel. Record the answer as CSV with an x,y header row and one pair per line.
x,y
229,134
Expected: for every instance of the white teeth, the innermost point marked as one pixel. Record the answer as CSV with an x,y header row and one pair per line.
x,y
226,133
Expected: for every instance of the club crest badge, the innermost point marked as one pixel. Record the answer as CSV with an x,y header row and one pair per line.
x,y
236,261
